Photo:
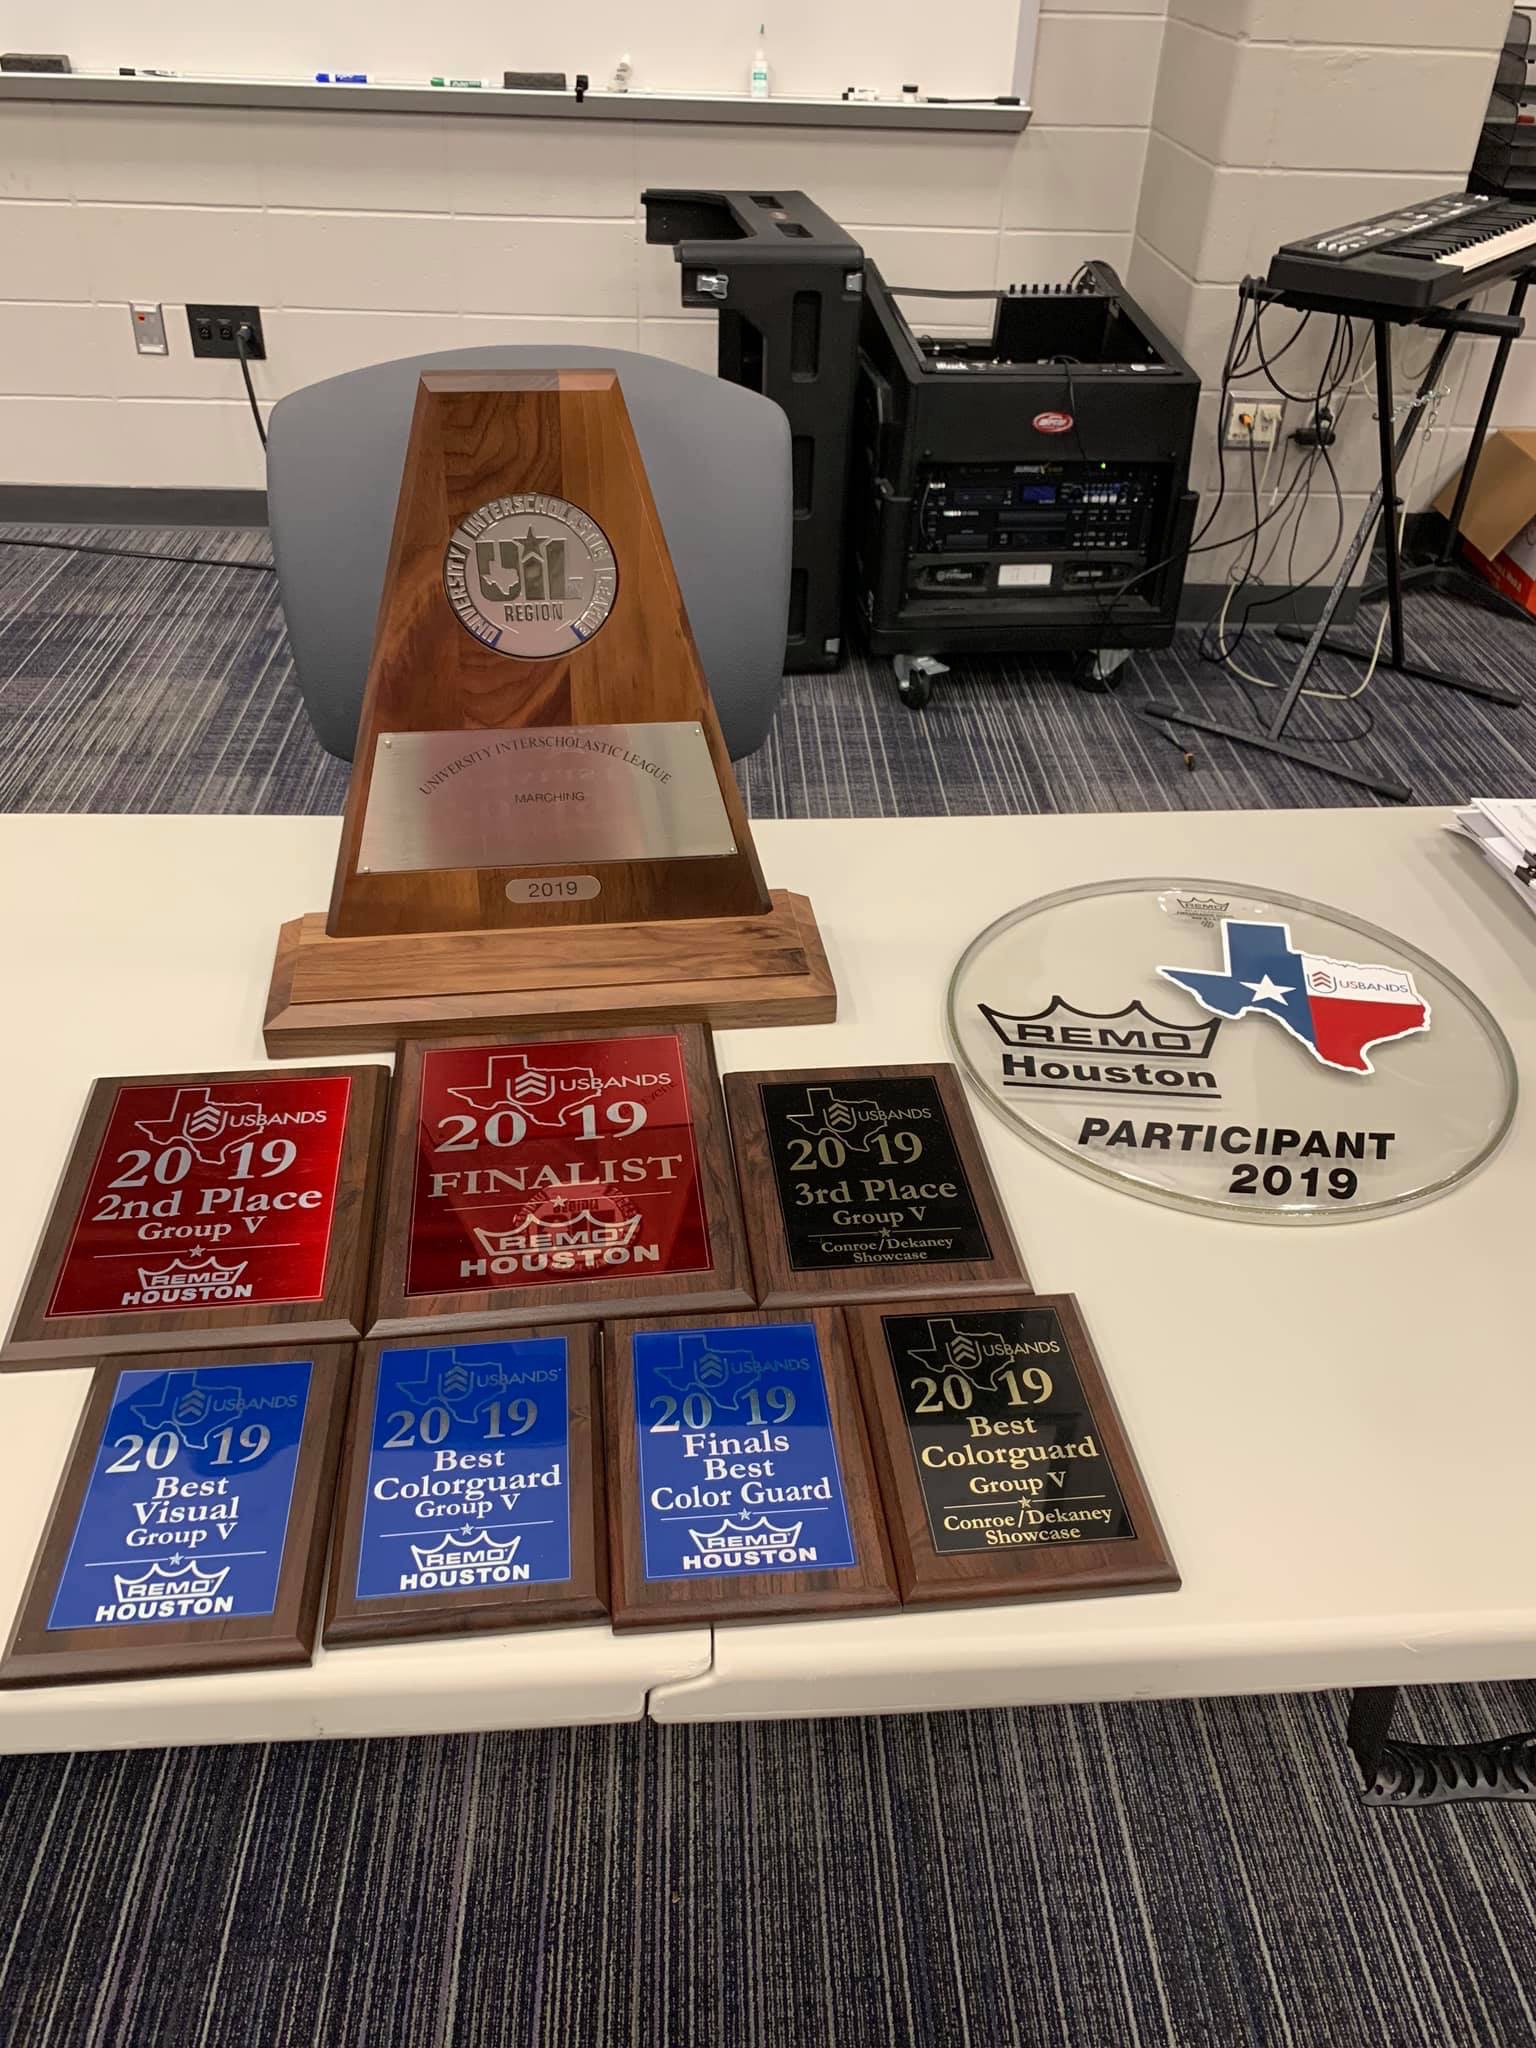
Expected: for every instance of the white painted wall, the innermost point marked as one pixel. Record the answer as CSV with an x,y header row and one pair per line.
x,y
364,237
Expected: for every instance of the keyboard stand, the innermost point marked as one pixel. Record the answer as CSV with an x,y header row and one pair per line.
x,y
1382,510
1447,574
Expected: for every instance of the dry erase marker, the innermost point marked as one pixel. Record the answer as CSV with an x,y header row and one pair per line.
x,y
341,78
128,71
455,83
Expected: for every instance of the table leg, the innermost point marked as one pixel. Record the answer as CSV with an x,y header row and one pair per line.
x,y
1396,1773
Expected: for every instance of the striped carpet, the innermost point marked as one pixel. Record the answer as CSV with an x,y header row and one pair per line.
x,y
136,686
1164,1875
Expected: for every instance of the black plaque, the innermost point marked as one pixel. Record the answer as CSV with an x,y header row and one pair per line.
x,y
868,1174
1005,1443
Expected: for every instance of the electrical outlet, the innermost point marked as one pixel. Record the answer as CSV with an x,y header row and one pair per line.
x,y
213,330
1251,422
148,328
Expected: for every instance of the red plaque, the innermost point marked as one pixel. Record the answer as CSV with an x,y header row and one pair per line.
x,y
197,1202
541,1172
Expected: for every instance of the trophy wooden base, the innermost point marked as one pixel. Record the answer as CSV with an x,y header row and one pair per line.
x,y
365,994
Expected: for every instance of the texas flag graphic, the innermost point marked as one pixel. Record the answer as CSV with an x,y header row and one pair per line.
x,y
1337,1008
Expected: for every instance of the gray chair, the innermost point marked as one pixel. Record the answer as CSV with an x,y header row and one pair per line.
x,y
718,461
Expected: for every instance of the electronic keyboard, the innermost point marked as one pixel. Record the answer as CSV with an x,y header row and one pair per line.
x,y
1411,260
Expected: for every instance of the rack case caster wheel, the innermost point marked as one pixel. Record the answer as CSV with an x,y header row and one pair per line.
x,y
914,678
1099,669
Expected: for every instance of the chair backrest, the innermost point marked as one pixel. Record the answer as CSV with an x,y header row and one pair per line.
x,y
717,457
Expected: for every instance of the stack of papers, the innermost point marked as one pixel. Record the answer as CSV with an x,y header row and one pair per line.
x,y
1504,828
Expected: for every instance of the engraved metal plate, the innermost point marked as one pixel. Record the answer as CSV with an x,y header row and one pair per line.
x,y
540,796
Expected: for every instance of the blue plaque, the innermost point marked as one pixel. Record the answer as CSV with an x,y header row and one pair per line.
x,y
185,1515
468,1484
738,1464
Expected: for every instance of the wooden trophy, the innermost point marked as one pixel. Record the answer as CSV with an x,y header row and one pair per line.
x,y
542,824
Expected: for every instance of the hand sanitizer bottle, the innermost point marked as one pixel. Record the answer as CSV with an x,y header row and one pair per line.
x,y
758,84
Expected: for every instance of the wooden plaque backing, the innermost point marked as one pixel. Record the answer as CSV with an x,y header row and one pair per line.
x,y
37,1339
471,1611
864,1588
778,1282
726,1283
38,1655
928,1577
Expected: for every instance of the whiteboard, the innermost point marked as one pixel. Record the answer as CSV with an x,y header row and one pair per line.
x,y
815,47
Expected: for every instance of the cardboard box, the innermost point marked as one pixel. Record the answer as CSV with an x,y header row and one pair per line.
x,y
1498,526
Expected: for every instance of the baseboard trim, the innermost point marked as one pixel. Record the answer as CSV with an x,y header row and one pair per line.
x,y
128,505
1203,601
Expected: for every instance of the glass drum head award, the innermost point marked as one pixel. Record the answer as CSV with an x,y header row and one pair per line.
x,y
542,820
1231,1050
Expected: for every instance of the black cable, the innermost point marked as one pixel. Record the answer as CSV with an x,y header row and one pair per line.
x,y
243,334
84,547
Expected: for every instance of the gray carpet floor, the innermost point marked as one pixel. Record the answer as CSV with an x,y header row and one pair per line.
x,y
141,686
1165,1875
